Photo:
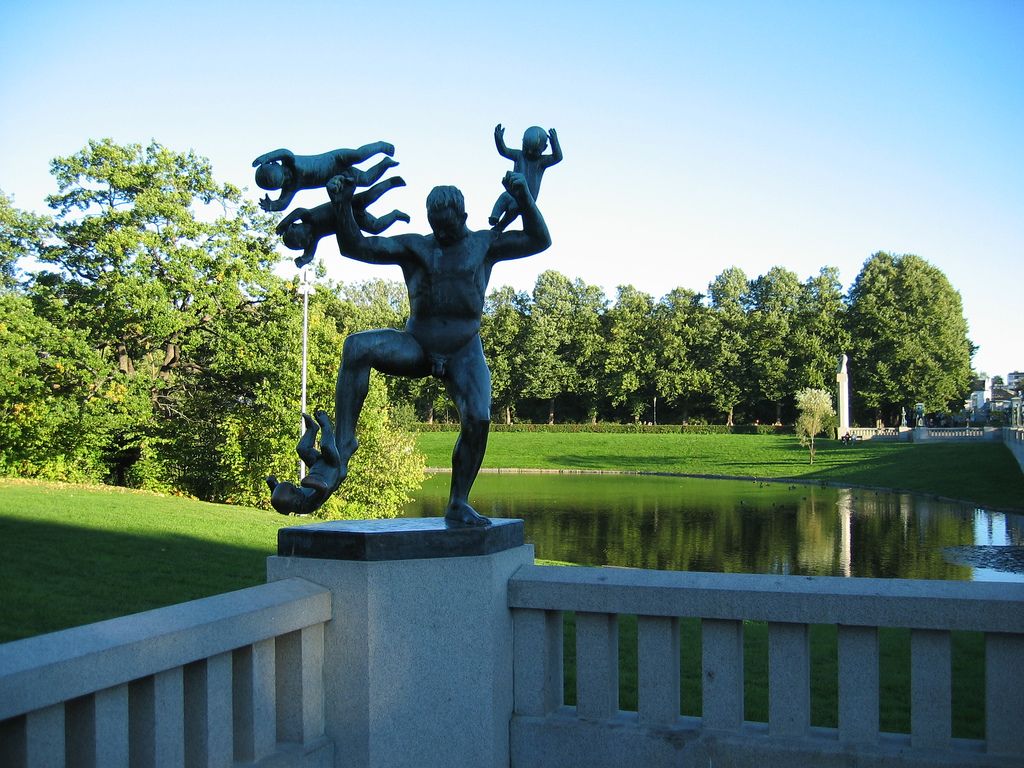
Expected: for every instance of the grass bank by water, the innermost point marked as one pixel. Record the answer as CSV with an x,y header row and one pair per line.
x,y
981,473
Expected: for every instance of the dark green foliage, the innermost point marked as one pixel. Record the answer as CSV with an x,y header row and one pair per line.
x,y
909,338
156,348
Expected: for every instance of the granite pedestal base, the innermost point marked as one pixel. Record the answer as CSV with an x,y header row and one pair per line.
x,y
418,653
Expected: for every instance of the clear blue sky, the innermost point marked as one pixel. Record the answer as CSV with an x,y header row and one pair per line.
x,y
697,136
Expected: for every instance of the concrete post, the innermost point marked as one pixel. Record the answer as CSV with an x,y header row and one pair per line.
x,y
418,654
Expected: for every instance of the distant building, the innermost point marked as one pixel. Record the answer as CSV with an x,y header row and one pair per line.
x,y
1013,379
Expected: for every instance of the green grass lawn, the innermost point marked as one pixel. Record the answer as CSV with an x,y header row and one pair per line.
x,y
77,554
982,473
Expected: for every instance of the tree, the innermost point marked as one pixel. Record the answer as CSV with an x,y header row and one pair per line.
x,y
684,331
548,371
585,346
159,265
21,235
631,356
727,293
819,335
816,415
503,334
772,301
909,337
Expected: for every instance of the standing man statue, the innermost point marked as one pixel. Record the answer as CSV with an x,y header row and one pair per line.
x,y
446,274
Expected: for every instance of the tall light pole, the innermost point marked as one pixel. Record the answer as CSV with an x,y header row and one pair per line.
x,y
305,288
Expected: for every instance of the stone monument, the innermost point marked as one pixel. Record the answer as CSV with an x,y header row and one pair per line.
x,y
446,273
843,379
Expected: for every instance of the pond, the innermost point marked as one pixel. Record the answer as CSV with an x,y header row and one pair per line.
x,y
732,526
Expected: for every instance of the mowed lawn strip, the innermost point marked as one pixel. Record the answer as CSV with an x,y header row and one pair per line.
x,y
981,473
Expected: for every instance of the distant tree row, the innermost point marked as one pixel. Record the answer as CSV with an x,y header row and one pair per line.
x,y
146,340
738,353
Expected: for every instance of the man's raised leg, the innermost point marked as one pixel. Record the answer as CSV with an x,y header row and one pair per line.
x,y
386,350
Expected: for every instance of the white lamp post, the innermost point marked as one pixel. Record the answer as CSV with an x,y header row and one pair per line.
x,y
305,288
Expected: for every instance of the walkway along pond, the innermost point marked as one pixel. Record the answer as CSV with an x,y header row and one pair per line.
x,y
733,526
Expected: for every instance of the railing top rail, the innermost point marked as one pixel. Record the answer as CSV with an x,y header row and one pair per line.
x,y
39,671
912,603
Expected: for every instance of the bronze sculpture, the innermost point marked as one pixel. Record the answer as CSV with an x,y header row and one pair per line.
x,y
446,273
303,228
529,161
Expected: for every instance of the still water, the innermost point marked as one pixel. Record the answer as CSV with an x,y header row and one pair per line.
x,y
733,526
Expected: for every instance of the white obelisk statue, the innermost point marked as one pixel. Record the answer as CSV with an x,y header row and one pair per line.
x,y
844,398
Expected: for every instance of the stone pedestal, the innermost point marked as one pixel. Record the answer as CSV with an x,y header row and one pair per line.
x,y
418,653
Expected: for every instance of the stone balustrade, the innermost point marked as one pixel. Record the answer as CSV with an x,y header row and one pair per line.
x,y
1013,438
235,678
452,659
596,733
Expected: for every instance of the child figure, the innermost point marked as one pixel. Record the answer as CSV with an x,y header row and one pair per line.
x,y
281,169
324,475
303,228
529,161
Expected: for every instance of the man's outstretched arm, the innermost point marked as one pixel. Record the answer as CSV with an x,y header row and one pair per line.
x,y
351,243
534,236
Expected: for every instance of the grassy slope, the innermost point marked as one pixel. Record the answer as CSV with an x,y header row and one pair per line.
x,y
76,554
985,473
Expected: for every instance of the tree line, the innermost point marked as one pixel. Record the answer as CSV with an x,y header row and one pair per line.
x,y
146,340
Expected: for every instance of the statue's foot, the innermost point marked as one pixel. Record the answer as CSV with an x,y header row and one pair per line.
x,y
387,148
388,162
461,514
492,220
402,216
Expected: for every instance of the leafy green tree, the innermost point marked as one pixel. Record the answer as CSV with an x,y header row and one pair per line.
x,y
503,334
728,293
58,397
631,356
585,345
154,260
683,325
819,335
21,235
548,369
908,337
772,301
816,415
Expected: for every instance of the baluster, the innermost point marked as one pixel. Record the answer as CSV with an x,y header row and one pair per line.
x,y
254,710
299,659
169,718
597,665
858,684
930,689
658,669
722,661
1004,694
537,645
110,711
209,742
44,737
789,679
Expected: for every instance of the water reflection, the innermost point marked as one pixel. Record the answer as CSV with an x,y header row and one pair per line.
x,y
734,526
